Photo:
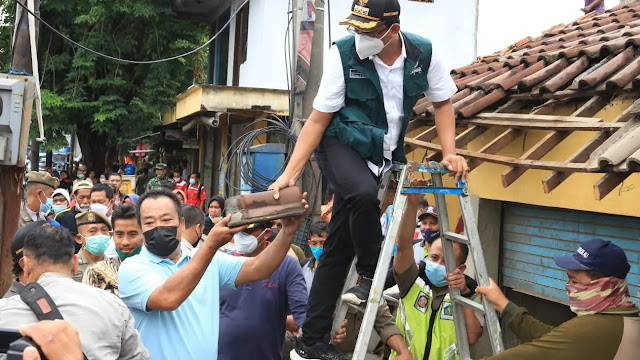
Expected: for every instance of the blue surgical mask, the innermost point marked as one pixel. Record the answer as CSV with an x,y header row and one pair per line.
x,y
316,251
46,207
57,208
192,181
435,273
97,244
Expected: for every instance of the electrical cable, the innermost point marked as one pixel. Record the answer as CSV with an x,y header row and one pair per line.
x,y
139,62
239,154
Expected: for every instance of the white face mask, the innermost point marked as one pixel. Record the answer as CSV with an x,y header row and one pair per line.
x,y
176,179
83,208
367,46
103,209
246,243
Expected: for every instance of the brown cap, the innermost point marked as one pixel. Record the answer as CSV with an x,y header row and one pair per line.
x,y
82,184
42,177
92,217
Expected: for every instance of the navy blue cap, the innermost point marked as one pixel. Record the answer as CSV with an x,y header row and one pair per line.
x,y
599,255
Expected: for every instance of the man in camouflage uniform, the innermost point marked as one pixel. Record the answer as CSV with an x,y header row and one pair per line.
x,y
160,180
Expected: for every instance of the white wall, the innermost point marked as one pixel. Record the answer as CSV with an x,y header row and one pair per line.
x,y
450,24
504,22
265,66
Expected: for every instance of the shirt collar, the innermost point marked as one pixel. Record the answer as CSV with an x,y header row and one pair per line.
x,y
185,254
34,215
54,275
403,54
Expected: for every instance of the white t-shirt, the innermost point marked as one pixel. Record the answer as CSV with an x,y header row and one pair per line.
x,y
331,94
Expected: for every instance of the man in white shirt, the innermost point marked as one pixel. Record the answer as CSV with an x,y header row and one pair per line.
x,y
372,79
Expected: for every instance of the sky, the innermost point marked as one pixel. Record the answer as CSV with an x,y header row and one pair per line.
x,y
504,22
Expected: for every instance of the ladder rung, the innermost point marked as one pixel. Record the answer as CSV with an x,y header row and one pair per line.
x,y
469,303
456,237
433,190
431,167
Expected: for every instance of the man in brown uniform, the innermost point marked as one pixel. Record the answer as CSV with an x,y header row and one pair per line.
x,y
38,203
607,326
94,234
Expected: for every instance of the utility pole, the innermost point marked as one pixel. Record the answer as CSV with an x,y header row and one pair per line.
x,y
11,175
305,84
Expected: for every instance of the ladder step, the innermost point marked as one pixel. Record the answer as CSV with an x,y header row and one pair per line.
x,y
433,190
431,167
469,303
456,237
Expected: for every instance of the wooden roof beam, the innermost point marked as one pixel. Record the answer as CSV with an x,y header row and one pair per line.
x,y
582,155
505,160
551,140
607,183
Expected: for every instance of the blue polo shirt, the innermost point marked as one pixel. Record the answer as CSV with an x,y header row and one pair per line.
x,y
190,331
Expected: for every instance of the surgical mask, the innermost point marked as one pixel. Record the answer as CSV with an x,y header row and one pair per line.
x,y
80,176
57,208
367,46
161,240
46,207
97,244
176,179
83,208
192,181
102,209
316,251
435,273
133,253
246,243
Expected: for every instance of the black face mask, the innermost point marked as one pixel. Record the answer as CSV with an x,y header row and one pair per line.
x,y
161,240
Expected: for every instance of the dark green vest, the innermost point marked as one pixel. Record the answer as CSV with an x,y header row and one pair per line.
x,y
362,122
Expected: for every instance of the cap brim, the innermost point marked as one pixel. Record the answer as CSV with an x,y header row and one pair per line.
x,y
569,263
360,23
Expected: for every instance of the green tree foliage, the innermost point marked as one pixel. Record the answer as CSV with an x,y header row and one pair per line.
x,y
106,102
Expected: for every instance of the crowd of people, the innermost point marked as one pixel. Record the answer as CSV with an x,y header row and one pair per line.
x,y
154,277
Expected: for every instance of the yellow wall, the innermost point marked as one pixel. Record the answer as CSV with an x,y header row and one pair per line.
x,y
574,193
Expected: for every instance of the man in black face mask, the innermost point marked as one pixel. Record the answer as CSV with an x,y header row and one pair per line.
x,y
173,292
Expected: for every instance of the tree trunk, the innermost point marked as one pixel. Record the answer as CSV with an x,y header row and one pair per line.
x,y
49,160
35,155
94,148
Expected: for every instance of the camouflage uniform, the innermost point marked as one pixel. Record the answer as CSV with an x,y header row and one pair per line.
x,y
157,183
103,275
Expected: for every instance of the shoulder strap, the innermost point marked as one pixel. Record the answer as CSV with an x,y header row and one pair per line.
x,y
199,191
42,305
37,298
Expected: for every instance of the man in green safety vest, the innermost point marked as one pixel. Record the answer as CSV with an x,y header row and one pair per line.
x,y
372,79
425,313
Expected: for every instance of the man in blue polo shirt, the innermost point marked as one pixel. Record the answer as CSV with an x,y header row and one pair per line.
x,y
173,292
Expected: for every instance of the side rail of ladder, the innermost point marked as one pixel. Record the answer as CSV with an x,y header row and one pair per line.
x,y
352,275
472,240
377,286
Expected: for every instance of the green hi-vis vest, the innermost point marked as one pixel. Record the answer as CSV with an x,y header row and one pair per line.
x,y
362,122
422,328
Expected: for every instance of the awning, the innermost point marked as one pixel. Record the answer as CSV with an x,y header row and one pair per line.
x,y
208,100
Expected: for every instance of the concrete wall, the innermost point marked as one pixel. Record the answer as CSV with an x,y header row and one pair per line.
x,y
451,25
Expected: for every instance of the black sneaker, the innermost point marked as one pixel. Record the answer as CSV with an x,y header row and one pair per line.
x,y
319,351
358,295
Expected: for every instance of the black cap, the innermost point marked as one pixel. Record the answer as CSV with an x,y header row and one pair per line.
x,y
17,244
368,15
599,255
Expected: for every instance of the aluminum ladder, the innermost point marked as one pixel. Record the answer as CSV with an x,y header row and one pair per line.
x,y
404,175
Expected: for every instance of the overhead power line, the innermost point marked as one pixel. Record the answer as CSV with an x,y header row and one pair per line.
x,y
139,62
